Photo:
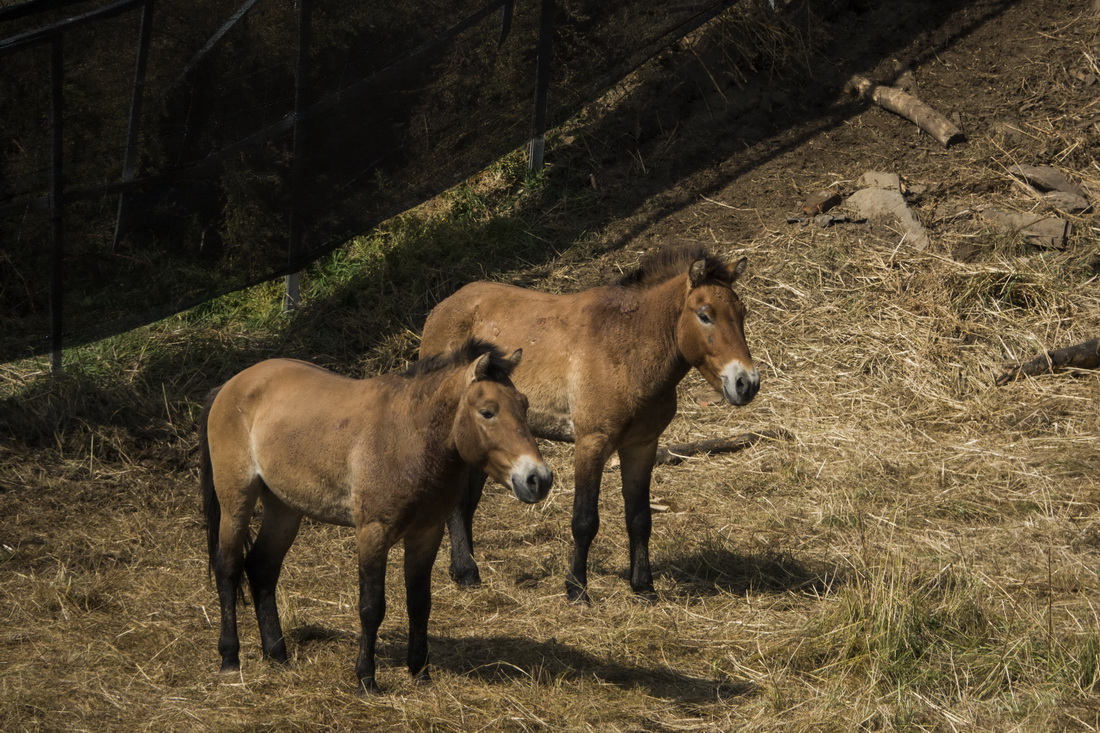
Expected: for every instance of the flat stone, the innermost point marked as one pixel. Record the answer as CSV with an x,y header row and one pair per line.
x,y
1045,178
1070,203
1050,232
879,179
880,203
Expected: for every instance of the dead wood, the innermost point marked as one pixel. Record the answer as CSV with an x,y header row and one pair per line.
x,y
1079,356
677,452
909,107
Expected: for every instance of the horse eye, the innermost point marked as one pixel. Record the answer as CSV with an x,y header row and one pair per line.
x,y
487,413
703,317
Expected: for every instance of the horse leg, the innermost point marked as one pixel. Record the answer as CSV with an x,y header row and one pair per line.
x,y
374,545
636,466
420,552
460,524
236,510
264,563
590,457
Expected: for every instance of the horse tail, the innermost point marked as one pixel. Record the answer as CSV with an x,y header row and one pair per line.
x,y
211,507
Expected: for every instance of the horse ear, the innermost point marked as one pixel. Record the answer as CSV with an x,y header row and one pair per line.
x,y
478,370
738,269
515,358
697,272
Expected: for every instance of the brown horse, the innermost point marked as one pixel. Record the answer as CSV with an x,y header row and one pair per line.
x,y
389,456
601,368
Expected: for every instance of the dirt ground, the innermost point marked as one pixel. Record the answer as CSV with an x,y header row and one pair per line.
x,y
922,553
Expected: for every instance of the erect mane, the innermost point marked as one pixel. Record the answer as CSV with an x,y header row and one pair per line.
x,y
673,260
500,368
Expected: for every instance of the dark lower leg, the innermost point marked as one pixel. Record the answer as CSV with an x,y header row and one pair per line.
x,y
639,526
420,555
372,609
264,565
374,543
262,579
636,463
227,575
586,523
464,570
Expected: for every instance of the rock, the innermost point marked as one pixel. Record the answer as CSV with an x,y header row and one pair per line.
x,y
1045,178
878,179
1070,203
820,202
1050,232
880,203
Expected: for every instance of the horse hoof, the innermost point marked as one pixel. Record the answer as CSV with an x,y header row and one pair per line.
x,y
467,578
578,595
229,668
368,687
647,595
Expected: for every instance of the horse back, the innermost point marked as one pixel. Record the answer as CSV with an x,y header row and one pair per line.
x,y
299,428
578,349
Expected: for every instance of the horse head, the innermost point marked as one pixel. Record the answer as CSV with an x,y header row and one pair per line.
x,y
711,330
491,429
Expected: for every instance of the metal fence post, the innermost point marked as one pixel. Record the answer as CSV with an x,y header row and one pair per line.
x,y
301,80
537,145
57,248
129,163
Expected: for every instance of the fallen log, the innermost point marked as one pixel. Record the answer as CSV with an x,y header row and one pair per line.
x,y
677,452
909,107
1079,356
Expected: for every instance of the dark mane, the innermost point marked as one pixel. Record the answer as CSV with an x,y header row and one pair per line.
x,y
670,261
500,368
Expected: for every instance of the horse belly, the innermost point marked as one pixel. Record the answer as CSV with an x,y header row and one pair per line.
x,y
316,501
551,425
306,475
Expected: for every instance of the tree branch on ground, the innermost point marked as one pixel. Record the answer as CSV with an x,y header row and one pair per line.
x,y
1079,356
677,452
909,107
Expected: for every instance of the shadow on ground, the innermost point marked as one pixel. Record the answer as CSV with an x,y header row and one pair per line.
x,y
507,658
713,571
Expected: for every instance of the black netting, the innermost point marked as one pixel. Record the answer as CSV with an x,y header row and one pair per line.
x,y
398,102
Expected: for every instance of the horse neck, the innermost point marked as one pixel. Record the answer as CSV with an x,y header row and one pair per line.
x,y
435,399
660,307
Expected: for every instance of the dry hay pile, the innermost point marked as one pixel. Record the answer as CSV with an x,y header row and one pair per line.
x,y
921,553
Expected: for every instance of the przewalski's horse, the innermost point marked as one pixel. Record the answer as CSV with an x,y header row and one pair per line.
x,y
389,456
601,368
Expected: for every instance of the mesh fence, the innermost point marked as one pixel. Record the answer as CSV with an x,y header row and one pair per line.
x,y
165,153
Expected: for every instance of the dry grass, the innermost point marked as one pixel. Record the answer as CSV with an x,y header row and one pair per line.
x,y
922,555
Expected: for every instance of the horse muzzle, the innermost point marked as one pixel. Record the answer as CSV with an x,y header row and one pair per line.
x,y
531,480
739,385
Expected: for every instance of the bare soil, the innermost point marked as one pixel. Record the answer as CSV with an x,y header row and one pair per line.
x,y
921,554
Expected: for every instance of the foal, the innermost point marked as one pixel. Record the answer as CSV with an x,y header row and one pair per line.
x,y
601,368
389,456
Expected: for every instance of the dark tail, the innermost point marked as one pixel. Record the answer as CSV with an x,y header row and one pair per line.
x,y
211,509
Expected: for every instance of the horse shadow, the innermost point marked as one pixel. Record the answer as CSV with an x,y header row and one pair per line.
x,y
712,571
501,659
